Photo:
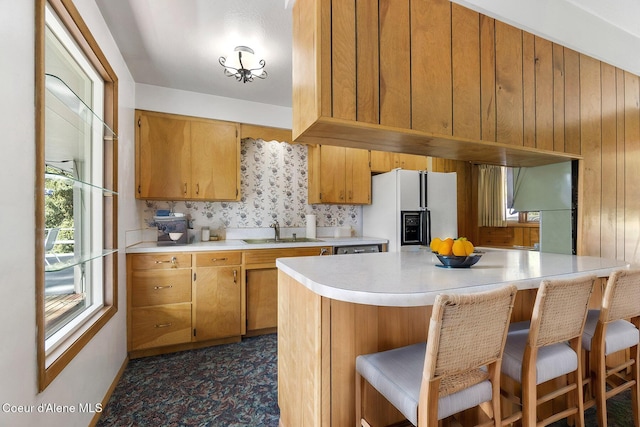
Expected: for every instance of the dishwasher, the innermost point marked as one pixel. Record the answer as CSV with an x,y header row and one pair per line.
x,y
357,249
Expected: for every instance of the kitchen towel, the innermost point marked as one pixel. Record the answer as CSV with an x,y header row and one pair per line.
x,y
311,226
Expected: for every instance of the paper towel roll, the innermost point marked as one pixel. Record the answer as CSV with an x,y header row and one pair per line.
x,y
311,226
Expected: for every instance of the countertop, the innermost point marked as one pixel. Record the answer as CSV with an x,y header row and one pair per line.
x,y
407,279
237,244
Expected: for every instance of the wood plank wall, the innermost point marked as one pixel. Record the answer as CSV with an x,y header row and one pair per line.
x,y
438,67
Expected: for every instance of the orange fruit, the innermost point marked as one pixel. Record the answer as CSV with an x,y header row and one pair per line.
x,y
435,243
462,247
458,248
445,247
469,246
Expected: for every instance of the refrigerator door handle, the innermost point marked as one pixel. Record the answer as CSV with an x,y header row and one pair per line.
x,y
425,227
422,197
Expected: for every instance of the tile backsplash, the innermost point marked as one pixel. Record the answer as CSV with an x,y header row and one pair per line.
x,y
273,186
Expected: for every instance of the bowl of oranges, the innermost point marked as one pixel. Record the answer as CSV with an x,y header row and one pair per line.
x,y
455,253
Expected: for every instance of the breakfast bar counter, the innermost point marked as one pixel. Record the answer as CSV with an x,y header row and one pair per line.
x,y
331,309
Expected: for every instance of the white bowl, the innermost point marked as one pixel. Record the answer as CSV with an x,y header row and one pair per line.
x,y
175,236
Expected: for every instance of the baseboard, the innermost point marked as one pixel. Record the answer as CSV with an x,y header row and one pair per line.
x,y
256,332
105,400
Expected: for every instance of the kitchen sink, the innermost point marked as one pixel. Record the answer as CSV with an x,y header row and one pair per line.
x,y
281,240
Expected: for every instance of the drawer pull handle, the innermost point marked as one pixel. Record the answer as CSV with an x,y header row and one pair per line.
x,y
163,325
218,259
173,260
162,287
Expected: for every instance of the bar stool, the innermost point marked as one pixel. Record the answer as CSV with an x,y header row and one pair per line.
x,y
606,332
457,369
548,347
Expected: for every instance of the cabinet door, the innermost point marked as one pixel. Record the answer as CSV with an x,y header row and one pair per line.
x,y
163,157
217,302
157,326
412,162
332,174
382,161
215,161
358,176
262,299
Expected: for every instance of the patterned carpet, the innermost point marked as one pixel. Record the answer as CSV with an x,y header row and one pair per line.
x,y
229,385
233,385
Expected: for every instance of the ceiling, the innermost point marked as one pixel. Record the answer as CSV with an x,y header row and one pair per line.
x,y
177,43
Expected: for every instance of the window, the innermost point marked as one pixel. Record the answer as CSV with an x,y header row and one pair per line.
x,y
76,146
513,215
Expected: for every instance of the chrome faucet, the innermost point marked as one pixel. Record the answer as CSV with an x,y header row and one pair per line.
x,y
276,228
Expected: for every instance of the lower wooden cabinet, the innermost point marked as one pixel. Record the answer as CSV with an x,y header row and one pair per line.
x,y
262,285
217,295
159,300
182,300
262,298
178,301
158,326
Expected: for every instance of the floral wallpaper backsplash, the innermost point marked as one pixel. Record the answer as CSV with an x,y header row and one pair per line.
x,y
273,187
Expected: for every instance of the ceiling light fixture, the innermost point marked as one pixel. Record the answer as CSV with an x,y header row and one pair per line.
x,y
242,65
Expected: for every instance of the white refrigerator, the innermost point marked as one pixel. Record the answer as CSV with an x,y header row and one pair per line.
x,y
409,208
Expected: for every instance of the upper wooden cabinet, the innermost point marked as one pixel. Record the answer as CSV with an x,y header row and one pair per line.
x,y
339,175
186,158
384,161
431,78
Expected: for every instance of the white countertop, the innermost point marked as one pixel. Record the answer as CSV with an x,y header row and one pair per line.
x,y
237,244
407,279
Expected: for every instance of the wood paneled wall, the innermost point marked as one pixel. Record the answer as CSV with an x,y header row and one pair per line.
x,y
546,96
449,75
609,128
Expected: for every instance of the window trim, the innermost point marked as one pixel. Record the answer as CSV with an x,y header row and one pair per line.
x,y
49,366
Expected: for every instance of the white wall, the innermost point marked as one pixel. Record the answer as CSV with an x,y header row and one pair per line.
x,y
607,31
87,378
156,98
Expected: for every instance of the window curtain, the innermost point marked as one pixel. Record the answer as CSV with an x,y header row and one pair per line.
x,y
491,196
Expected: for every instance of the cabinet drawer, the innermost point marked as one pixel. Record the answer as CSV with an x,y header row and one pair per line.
x,y
161,261
159,326
268,256
213,259
154,287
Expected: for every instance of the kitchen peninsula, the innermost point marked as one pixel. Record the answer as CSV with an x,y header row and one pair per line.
x,y
331,309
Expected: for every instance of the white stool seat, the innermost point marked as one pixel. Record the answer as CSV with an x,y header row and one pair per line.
x,y
392,373
620,334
